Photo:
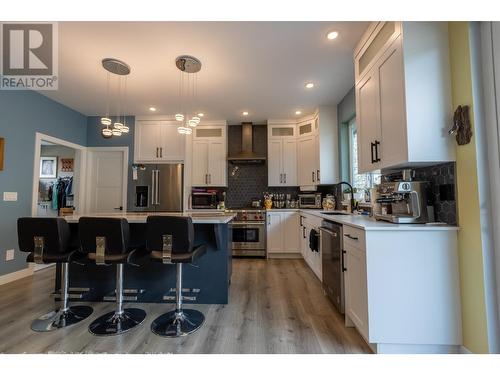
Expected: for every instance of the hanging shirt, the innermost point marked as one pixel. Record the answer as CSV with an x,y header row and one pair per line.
x,y
54,197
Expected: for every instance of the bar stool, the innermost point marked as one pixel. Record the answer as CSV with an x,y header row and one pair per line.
x,y
107,241
169,239
48,241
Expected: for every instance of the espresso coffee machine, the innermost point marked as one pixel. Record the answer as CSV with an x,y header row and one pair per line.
x,y
403,202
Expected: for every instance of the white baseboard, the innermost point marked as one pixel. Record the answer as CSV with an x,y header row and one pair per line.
x,y
10,277
463,350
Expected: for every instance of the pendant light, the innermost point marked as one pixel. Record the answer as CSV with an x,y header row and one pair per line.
x,y
188,67
121,70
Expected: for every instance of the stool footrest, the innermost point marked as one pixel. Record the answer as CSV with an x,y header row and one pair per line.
x,y
184,298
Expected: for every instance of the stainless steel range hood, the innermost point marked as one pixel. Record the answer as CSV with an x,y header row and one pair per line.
x,y
247,155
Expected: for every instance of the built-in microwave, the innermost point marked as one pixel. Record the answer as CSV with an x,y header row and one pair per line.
x,y
312,200
204,200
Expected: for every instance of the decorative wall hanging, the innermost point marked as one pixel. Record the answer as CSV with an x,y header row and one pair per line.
x,y
48,167
67,165
2,148
461,129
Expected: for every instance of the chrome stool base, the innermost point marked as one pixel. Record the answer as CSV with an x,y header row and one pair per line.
x,y
60,319
114,324
177,323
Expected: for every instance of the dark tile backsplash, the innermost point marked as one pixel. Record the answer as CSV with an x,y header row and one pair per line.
x,y
247,181
442,179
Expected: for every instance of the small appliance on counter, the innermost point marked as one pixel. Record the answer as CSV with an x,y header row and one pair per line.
x,y
403,202
310,200
207,199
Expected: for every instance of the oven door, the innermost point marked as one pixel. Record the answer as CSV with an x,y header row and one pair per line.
x,y
248,236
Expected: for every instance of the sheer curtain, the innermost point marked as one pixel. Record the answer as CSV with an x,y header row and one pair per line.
x,y
488,53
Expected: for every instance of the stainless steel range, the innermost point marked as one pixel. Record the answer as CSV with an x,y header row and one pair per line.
x,y
249,233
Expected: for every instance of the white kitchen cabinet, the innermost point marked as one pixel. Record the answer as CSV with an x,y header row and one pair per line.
x,y
274,232
209,156
158,141
356,292
403,95
282,155
403,300
282,234
312,258
317,148
306,156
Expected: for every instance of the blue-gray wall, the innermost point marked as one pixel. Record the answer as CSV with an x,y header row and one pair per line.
x,y
22,114
95,139
346,110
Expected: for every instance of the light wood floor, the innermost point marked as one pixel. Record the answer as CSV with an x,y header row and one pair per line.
x,y
276,306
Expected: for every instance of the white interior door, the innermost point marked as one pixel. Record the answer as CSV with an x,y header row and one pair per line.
x,y
107,182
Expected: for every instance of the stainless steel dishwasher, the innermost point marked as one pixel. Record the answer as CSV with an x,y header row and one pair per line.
x,y
332,260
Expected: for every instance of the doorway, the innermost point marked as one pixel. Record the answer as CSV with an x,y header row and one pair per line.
x,y
106,179
57,183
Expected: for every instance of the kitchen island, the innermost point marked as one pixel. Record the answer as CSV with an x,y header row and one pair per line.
x,y
206,282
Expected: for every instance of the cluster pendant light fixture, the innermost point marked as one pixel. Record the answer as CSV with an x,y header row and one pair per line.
x,y
121,70
188,67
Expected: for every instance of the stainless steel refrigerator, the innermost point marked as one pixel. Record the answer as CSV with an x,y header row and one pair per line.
x,y
157,187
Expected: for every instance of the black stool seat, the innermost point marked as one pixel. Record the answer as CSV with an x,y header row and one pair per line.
x,y
106,241
169,239
47,240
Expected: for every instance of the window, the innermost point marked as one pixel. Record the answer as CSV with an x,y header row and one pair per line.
x,y
359,181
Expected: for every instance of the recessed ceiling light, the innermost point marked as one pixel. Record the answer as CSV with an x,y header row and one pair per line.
x,y
298,112
245,113
201,114
309,85
332,35
152,109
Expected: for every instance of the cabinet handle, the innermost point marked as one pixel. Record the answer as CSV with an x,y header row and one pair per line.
x,y
156,151
209,178
351,237
372,145
343,262
377,159
317,175
313,176
161,152
206,178
284,174
303,232
281,178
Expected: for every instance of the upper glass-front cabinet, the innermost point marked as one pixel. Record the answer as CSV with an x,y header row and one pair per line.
x,y
374,43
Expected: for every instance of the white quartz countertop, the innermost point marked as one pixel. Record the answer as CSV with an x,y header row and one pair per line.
x,y
368,223
140,217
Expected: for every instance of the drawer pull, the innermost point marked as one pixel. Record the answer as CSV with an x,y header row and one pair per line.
x,y
351,237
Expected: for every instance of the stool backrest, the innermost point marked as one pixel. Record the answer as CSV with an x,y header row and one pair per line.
x,y
115,230
54,230
179,227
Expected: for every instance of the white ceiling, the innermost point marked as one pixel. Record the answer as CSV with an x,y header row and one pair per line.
x,y
259,67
